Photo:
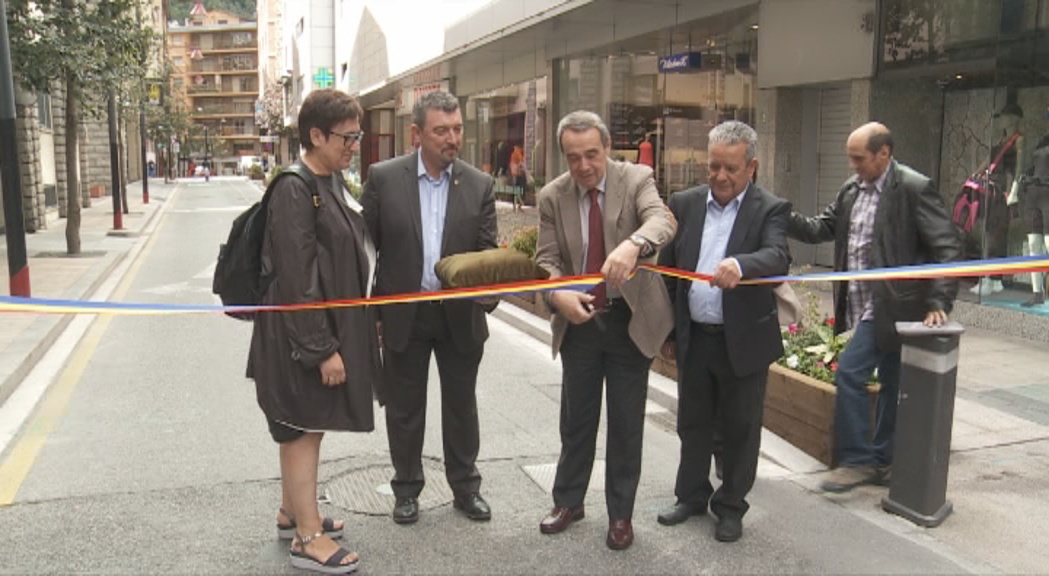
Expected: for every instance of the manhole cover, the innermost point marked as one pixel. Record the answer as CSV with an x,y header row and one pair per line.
x,y
543,475
84,254
367,491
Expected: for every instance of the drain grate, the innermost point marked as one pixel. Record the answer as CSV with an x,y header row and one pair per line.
x,y
367,490
543,475
84,254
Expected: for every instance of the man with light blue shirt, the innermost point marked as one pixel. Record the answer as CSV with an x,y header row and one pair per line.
x,y
420,208
726,334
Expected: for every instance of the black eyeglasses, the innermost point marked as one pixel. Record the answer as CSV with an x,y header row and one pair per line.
x,y
348,138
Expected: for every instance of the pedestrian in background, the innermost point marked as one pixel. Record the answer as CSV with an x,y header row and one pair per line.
x,y
315,370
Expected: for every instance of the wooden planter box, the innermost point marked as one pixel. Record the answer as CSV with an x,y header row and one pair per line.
x,y
800,409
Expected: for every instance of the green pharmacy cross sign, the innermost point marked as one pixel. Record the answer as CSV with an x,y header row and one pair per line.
x,y
323,78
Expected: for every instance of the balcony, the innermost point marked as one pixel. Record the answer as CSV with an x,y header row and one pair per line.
x,y
236,41
247,87
236,64
234,109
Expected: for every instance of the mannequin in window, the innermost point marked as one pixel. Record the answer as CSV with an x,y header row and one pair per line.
x,y
1005,125
1034,198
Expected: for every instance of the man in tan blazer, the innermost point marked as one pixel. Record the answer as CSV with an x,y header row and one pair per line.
x,y
606,217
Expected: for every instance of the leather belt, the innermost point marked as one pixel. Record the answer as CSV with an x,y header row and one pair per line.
x,y
709,328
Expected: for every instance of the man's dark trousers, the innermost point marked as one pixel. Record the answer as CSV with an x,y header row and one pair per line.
x,y
707,377
406,405
595,353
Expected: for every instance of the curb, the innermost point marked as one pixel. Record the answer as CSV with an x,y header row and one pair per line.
x,y
12,380
663,392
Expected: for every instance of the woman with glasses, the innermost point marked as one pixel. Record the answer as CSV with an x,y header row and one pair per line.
x,y
315,370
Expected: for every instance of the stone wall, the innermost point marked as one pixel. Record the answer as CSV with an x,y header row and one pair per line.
x,y
779,127
58,122
28,131
95,166
913,110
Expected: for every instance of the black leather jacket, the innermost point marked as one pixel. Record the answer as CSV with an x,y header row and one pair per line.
x,y
910,227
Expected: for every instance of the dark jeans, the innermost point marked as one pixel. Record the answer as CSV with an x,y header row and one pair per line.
x,y
595,355
852,406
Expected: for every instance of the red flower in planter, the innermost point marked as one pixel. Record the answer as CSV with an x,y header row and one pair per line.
x,y
793,328
834,367
830,321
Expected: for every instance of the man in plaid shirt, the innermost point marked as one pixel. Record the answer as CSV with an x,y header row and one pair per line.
x,y
886,215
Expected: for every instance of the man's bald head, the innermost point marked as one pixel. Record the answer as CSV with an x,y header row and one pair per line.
x,y
873,136
870,150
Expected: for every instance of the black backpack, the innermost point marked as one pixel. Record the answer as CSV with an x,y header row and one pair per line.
x,y
238,277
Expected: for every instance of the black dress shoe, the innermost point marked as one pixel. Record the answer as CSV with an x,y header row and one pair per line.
x,y
473,506
680,512
729,529
559,518
620,534
406,511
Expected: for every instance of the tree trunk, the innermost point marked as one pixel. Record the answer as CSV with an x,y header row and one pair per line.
x,y
72,167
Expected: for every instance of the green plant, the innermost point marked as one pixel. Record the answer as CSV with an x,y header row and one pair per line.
x,y
525,240
811,347
256,172
273,173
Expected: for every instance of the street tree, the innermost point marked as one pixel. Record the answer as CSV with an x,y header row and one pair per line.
x,y
91,47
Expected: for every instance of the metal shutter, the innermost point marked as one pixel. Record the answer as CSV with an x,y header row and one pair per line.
x,y
833,164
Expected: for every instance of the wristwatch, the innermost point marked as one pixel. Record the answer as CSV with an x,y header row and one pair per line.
x,y
641,243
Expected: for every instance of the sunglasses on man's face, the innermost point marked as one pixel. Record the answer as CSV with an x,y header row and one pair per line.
x,y
348,138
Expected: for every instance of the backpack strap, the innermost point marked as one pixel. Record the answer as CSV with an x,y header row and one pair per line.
x,y
300,170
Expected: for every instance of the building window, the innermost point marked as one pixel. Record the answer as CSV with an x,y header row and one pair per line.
x,y
43,110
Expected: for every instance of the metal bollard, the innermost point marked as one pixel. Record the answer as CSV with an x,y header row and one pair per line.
x,y
925,413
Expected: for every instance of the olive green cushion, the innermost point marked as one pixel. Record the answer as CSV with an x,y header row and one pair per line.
x,y
494,266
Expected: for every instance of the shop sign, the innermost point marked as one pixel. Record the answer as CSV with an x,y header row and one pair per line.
x,y
681,62
409,96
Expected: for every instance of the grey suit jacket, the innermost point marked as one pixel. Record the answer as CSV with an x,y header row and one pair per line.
x,y
391,210
632,205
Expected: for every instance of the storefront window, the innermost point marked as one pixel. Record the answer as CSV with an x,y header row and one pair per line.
x,y
503,136
660,103
982,72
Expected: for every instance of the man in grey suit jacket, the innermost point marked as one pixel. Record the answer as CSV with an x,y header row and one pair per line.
x,y
726,334
420,208
610,334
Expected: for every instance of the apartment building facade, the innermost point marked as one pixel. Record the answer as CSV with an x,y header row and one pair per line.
x,y
215,60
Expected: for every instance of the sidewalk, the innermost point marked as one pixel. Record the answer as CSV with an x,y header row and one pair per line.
x,y
24,338
999,474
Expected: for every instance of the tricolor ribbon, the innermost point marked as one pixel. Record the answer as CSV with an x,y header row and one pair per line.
x,y
970,268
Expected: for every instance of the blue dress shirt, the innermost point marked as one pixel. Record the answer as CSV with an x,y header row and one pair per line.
x,y
433,205
704,300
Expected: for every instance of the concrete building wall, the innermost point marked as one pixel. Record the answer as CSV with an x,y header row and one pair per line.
x,y
809,41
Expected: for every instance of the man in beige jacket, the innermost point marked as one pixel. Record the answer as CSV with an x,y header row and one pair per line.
x,y
607,217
